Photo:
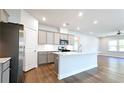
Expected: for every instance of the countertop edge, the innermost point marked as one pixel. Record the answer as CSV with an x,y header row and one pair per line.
x,y
76,53
3,60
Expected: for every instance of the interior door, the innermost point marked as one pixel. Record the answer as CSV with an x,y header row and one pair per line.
x,y
31,37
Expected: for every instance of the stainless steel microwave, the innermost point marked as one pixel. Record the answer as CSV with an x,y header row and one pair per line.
x,y
63,42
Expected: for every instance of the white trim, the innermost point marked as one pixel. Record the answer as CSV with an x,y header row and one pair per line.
x,y
111,55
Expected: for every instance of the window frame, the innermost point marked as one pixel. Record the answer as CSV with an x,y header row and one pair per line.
x,y
113,45
117,46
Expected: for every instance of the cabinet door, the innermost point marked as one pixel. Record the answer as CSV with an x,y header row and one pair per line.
x,y
30,59
42,37
30,49
42,58
30,38
71,39
3,15
0,72
57,38
29,21
50,38
5,76
64,36
50,57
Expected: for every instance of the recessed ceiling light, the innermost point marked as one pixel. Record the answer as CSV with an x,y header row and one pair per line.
x,y
78,28
95,22
80,14
64,24
91,32
44,19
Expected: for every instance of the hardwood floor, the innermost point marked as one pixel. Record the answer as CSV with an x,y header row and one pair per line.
x,y
109,70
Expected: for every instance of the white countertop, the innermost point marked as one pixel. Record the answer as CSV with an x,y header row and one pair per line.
x,y
3,60
71,53
67,53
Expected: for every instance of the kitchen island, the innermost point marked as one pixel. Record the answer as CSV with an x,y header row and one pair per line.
x,y
71,63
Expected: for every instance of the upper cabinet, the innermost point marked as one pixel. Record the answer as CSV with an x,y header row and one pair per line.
x,y
64,36
50,38
42,37
45,37
29,21
3,15
56,38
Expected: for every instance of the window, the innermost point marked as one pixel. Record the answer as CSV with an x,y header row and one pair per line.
x,y
121,45
112,45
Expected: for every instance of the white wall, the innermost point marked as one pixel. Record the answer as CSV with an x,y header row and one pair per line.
x,y
89,43
103,47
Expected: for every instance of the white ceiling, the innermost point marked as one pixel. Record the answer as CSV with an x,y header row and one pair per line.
x,y
108,20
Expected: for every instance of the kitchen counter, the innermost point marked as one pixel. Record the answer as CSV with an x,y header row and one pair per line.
x,y
71,63
3,60
68,53
71,53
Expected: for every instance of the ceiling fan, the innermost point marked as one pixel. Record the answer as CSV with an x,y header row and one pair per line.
x,y
119,33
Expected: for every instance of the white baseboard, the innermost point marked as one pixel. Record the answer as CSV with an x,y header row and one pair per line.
x,y
111,55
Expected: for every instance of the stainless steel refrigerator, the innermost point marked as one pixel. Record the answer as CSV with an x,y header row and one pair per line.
x,y
12,45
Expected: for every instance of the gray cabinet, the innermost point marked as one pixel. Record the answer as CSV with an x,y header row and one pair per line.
x,y
5,76
3,15
4,72
0,73
56,38
45,57
42,58
64,36
50,57
50,38
45,37
42,37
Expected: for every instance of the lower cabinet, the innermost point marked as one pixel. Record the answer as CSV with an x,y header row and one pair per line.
x,y
45,57
5,76
4,72
50,57
42,58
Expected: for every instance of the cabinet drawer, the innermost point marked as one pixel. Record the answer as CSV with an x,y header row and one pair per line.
x,y
42,58
5,76
6,65
0,72
50,57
